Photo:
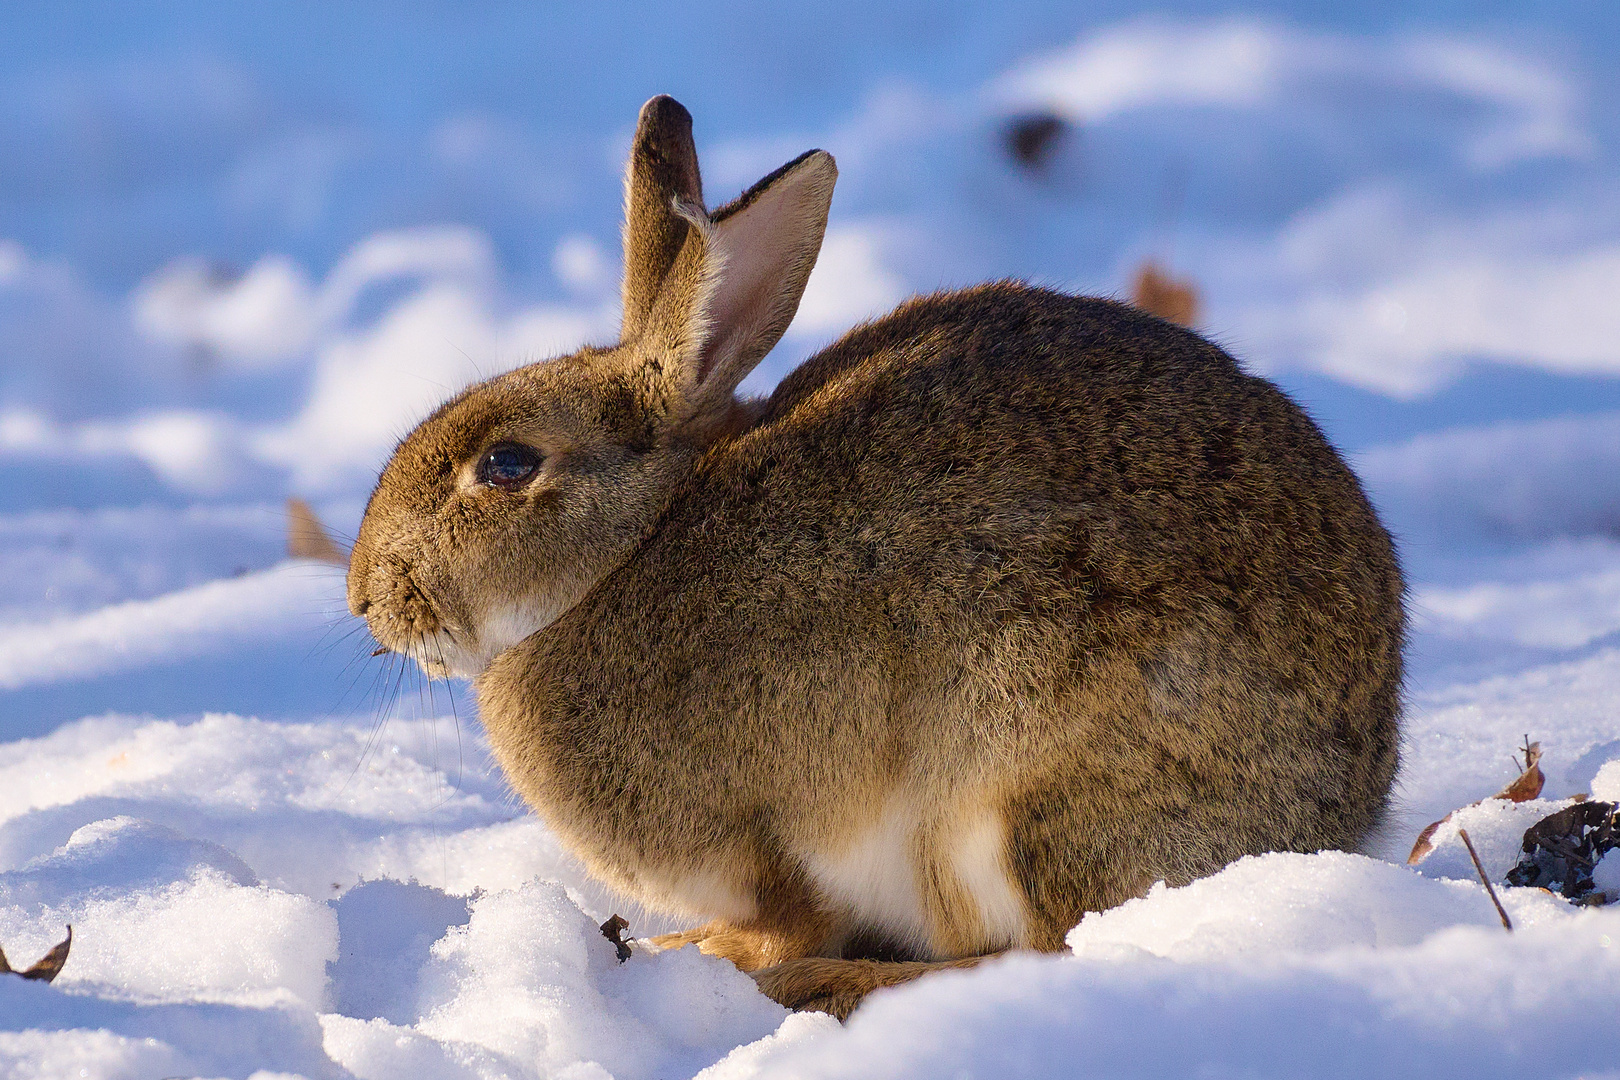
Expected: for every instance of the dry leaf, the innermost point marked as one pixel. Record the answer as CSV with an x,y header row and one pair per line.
x,y
613,930
1562,850
307,539
48,967
1527,786
1157,293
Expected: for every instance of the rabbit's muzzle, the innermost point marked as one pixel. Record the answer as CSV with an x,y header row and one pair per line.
x,y
448,634
403,619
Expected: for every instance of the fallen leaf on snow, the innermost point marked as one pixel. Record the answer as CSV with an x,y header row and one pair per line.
x,y
1526,787
48,967
1562,850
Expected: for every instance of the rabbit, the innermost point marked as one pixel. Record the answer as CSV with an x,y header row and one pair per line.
x,y
998,610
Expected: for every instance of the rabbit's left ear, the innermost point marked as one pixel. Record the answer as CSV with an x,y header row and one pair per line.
x,y
662,175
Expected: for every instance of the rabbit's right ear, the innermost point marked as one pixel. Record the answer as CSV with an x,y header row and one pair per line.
x,y
662,175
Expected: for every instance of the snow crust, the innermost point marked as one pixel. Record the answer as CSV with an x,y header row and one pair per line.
x,y
283,857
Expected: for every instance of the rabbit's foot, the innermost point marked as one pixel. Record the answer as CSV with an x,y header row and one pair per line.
x,y
747,947
820,984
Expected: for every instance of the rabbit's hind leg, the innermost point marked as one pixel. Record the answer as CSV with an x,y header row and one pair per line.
x,y
820,984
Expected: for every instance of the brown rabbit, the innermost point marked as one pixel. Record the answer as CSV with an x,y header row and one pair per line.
x,y
1000,609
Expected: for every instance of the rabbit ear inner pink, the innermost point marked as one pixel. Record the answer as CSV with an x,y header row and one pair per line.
x,y
761,248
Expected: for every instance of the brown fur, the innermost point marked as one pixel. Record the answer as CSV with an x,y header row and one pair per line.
x,y
1034,590
838,986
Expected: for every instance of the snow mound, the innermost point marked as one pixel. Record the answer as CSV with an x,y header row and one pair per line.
x,y
71,561
48,1055
207,619
115,854
309,808
1324,965
160,918
1606,784
529,987
1288,904
53,1033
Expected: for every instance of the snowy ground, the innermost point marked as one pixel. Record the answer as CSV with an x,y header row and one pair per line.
x,y
282,856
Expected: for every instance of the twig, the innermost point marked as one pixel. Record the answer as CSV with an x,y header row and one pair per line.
x,y
1472,854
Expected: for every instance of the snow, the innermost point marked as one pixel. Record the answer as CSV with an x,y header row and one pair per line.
x,y
242,273
1456,1004
1606,875
196,621
1606,782
1245,63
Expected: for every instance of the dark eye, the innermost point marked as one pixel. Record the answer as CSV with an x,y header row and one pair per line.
x,y
508,466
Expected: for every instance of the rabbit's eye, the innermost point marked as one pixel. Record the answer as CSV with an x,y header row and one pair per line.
x,y
508,466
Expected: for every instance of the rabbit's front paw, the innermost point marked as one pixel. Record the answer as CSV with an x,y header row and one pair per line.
x,y
750,949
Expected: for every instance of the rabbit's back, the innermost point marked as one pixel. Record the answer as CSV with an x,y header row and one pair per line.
x,y
1002,551
992,462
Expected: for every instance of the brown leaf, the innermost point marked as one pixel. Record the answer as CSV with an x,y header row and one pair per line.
x,y
47,968
1525,787
308,539
1530,782
1157,293
1425,840
613,930
1562,850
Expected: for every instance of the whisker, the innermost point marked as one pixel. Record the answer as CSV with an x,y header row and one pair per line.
x,y
455,718
357,665
393,675
356,656
324,647
450,694
338,534
379,679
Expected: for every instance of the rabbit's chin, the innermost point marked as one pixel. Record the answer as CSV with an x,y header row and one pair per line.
x,y
443,654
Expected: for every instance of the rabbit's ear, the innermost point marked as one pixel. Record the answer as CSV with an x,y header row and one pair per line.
x,y
663,174
759,251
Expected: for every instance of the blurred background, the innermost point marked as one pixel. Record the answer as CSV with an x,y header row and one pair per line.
x,y
243,248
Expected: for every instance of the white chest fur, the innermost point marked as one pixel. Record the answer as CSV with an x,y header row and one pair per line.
x,y
892,877
874,878
977,856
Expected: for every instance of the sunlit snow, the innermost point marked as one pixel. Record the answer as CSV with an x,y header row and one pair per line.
x,y
219,287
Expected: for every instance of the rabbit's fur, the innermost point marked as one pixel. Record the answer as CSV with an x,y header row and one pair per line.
x,y
1000,609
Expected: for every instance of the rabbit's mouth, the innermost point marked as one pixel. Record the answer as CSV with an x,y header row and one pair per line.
x,y
403,619
440,652
445,652
439,656
451,630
